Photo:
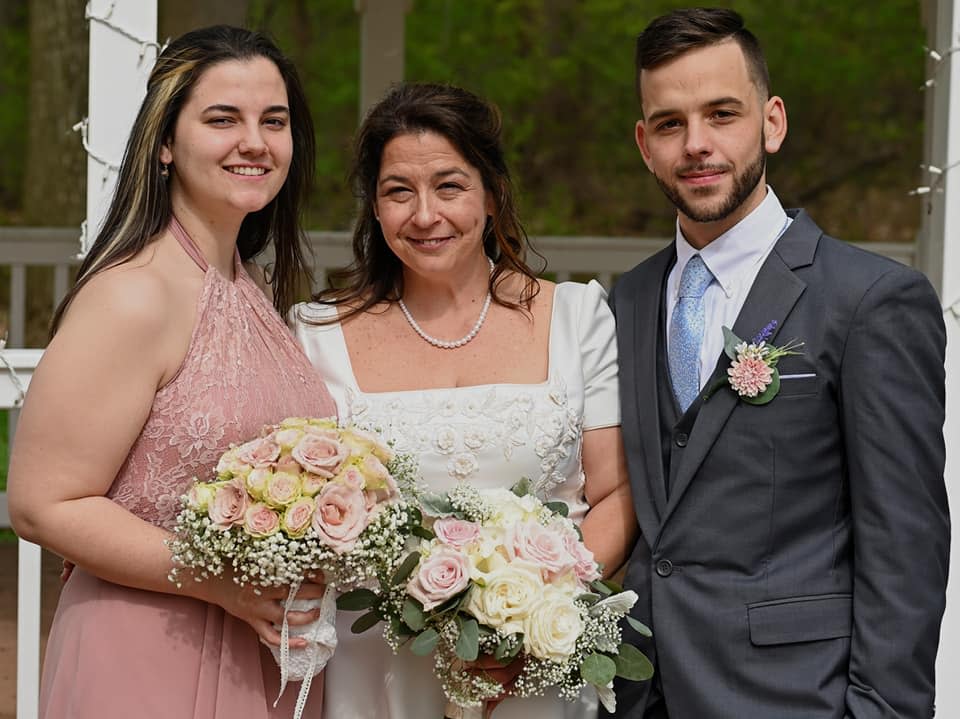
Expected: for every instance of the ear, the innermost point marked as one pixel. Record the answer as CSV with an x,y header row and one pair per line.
x,y
641,138
166,154
774,124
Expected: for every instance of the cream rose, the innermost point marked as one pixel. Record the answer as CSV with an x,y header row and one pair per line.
x,y
258,452
282,489
260,520
257,481
229,466
340,515
441,575
320,455
362,442
508,595
551,629
311,483
297,517
288,438
456,532
228,504
199,496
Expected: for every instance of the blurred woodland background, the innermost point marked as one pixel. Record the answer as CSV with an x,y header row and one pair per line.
x,y
562,73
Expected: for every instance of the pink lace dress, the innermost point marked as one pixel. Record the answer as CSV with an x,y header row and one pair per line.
x,y
116,652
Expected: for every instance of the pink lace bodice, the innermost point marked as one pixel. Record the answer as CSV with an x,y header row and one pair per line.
x,y
243,370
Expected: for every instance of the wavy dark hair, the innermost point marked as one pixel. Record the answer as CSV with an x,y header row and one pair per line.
x,y
472,126
676,33
141,209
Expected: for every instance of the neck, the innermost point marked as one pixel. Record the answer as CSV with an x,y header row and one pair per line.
x,y
215,237
446,294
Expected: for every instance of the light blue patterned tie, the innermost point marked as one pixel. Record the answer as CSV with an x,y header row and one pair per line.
x,y
686,332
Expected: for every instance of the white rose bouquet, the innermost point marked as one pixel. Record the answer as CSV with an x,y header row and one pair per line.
x,y
307,497
499,572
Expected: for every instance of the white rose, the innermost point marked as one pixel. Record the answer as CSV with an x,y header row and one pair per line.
x,y
551,629
507,597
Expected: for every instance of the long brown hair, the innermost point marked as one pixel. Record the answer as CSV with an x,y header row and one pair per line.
x,y
472,126
141,207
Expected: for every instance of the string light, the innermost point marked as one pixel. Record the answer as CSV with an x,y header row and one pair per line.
x,y
105,20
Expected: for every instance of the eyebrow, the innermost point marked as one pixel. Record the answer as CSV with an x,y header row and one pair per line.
x,y
234,109
439,175
720,101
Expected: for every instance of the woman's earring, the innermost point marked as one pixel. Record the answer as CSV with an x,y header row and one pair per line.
x,y
164,170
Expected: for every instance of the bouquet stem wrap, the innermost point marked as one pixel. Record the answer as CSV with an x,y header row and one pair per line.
x,y
455,711
304,664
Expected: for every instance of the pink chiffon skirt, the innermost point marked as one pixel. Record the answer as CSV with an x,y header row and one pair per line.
x,y
117,653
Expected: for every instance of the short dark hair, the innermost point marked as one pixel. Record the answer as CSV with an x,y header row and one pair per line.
x,y
670,36
472,125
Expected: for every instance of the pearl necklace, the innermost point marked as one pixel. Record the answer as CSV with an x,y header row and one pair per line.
x,y
442,344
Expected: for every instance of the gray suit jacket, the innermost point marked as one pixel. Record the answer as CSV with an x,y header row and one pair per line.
x,y
796,567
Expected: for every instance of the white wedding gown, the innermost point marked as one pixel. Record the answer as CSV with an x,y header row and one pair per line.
x,y
488,435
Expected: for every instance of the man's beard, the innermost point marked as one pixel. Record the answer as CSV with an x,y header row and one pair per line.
x,y
744,183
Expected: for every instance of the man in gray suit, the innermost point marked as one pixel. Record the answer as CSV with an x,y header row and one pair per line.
x,y
795,534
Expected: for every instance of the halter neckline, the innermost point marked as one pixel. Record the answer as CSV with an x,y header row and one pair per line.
x,y
193,252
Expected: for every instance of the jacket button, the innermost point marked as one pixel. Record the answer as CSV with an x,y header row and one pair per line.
x,y
681,439
664,567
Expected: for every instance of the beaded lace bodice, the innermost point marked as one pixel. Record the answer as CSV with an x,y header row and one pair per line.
x,y
242,370
492,435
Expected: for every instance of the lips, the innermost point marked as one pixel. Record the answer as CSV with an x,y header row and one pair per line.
x,y
428,241
703,175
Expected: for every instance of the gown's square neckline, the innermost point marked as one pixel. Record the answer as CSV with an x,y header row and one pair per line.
x,y
544,383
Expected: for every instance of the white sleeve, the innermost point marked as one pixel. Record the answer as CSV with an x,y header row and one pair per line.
x,y
598,358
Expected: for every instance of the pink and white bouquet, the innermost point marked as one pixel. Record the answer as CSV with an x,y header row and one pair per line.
x,y
306,498
499,572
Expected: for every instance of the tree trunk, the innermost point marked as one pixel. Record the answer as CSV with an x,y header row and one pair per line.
x,y
176,17
56,163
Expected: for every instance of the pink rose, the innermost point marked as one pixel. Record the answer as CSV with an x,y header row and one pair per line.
x,y
541,545
260,520
320,455
353,477
312,483
296,520
340,515
444,574
586,566
228,505
259,452
378,478
456,532
288,464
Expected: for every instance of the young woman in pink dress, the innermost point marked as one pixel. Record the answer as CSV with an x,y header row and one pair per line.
x,y
164,353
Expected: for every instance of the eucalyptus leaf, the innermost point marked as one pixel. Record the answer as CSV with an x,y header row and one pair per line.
x,y
468,643
730,342
632,664
404,570
768,394
611,585
508,648
413,615
367,621
425,642
639,627
589,598
521,488
601,587
560,508
598,669
436,505
358,599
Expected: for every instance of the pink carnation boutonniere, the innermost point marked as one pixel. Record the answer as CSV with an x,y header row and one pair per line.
x,y
753,371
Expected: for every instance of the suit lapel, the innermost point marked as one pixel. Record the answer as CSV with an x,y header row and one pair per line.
x,y
772,296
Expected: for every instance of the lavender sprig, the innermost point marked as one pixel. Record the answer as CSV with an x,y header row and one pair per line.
x,y
765,334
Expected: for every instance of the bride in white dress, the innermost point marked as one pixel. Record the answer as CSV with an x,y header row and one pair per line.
x,y
443,339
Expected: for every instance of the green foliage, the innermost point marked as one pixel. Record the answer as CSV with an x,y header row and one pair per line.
x,y
14,76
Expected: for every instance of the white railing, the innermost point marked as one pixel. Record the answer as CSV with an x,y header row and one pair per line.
x,y
577,258
16,369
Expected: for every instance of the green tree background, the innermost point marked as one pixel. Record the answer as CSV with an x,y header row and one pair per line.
x,y
562,73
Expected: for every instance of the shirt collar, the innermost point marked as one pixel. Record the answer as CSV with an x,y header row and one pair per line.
x,y
740,247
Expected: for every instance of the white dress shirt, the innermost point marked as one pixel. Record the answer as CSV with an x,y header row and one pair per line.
x,y
734,258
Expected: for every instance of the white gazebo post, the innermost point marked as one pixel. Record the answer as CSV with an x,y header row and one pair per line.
x,y
940,259
382,26
123,48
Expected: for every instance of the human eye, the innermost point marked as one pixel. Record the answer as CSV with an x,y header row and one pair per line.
x,y
667,125
724,115
220,121
398,193
277,123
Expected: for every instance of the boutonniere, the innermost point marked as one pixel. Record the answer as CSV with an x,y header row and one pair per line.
x,y
753,371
